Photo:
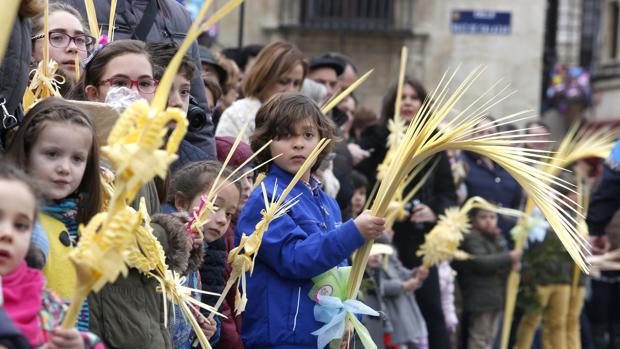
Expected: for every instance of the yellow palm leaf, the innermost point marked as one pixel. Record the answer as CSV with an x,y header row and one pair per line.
x,y
424,139
579,143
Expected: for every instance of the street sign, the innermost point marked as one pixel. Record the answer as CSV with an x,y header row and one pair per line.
x,y
480,22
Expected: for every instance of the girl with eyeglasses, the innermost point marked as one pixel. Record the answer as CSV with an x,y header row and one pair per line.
x,y
67,38
122,63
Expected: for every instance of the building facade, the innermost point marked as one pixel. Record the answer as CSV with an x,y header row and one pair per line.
x,y
504,36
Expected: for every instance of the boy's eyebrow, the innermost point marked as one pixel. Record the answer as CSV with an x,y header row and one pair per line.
x,y
308,127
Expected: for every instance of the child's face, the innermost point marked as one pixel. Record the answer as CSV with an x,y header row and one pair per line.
x,y
296,147
374,261
226,204
62,49
486,222
17,207
358,200
247,182
131,70
179,93
59,156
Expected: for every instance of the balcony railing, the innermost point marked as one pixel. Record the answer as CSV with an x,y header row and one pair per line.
x,y
383,16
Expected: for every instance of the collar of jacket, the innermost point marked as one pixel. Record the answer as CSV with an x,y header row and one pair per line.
x,y
284,178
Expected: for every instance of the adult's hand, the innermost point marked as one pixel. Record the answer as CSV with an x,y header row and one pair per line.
x,y
600,244
421,213
357,153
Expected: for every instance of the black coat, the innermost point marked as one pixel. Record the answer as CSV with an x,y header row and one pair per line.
x,y
14,72
171,23
373,139
605,201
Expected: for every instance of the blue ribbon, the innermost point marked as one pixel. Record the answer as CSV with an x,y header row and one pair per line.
x,y
332,311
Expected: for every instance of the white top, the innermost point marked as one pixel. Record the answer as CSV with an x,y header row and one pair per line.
x,y
234,117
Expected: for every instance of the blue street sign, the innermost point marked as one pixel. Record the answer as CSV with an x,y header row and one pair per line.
x,y
480,22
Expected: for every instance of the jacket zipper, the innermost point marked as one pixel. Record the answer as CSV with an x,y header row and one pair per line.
x,y
297,310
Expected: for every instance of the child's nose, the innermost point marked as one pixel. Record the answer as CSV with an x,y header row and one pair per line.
x,y
5,232
175,100
63,166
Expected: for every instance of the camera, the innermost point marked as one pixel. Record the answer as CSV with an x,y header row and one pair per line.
x,y
197,117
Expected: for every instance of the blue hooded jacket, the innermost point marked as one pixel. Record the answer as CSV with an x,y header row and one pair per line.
x,y
307,241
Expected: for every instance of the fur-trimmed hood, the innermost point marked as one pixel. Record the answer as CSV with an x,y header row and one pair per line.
x,y
171,233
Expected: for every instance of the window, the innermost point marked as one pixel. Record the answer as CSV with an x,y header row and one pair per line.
x,y
349,15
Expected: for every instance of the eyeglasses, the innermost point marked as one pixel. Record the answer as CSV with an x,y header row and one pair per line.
x,y
144,85
62,40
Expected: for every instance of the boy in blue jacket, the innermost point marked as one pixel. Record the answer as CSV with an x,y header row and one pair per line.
x,y
302,244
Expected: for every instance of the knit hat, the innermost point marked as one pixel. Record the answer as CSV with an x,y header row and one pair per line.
x,y
223,146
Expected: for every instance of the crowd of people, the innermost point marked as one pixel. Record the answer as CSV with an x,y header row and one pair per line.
x,y
51,183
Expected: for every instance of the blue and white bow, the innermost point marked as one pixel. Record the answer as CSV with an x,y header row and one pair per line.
x,y
333,312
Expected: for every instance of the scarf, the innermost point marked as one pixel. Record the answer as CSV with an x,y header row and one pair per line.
x,y
22,300
65,210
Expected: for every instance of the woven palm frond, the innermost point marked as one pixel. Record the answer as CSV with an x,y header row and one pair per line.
x,y
442,242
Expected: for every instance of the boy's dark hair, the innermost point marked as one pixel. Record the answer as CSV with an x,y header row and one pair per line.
x,y
278,117
54,109
93,71
161,55
195,178
359,180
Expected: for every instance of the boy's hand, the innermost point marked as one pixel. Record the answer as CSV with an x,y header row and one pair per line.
x,y
65,339
371,227
208,326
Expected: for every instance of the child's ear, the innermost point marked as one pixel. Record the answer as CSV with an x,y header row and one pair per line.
x,y
92,93
180,202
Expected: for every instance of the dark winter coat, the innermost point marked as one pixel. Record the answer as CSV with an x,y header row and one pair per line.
x,y
483,277
14,74
606,199
129,313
